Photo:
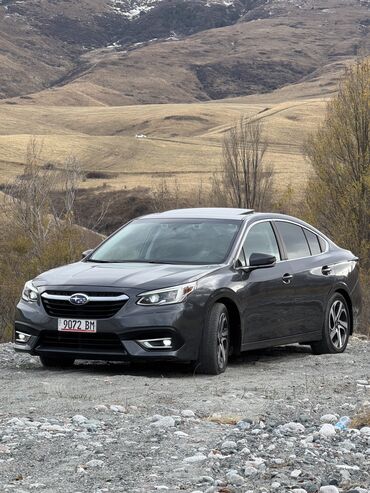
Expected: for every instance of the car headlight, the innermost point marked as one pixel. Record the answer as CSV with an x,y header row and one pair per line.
x,y
167,296
30,292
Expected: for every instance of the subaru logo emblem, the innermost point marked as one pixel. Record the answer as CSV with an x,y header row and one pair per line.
x,y
79,299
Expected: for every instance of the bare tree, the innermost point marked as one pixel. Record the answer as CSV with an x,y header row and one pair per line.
x,y
245,180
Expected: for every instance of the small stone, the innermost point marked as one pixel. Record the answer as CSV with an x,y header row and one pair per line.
x,y
188,413
250,471
101,408
292,428
195,458
205,479
117,408
299,490
365,430
328,489
164,422
78,419
95,464
234,478
181,434
229,446
275,485
329,418
296,473
327,430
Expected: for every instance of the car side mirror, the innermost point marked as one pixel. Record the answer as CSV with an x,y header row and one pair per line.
x,y
86,253
261,261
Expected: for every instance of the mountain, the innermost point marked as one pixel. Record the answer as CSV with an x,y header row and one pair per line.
x,y
119,52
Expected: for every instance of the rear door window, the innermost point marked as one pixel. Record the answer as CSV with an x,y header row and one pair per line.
x,y
295,242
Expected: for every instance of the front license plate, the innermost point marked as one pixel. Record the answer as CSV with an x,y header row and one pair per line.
x,y
74,325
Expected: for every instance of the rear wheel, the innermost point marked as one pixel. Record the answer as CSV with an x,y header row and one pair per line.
x,y
215,346
337,327
57,361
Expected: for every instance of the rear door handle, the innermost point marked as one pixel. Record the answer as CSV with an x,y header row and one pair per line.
x,y
287,278
326,270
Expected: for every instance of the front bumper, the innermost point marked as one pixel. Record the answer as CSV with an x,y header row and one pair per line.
x,y
117,338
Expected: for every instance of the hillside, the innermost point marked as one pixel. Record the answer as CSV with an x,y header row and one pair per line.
x,y
137,145
178,51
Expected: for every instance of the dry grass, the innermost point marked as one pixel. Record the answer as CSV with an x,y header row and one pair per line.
x,y
183,141
361,419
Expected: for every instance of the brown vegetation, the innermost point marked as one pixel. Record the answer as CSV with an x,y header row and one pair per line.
x,y
338,193
244,180
34,236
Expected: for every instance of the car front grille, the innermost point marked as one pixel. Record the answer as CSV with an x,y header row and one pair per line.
x,y
100,305
99,342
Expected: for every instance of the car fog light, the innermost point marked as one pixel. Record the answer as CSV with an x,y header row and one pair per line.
x,y
22,337
163,343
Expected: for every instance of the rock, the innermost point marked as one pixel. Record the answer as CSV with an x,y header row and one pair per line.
x,y
229,446
101,408
205,479
329,418
234,478
328,489
95,464
195,458
299,490
181,434
188,413
117,409
164,422
365,430
250,471
292,428
275,485
78,419
296,473
327,430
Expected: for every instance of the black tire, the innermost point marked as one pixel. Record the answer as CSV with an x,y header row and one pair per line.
x,y
57,361
337,327
215,346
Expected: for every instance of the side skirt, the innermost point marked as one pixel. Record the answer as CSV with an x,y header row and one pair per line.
x,y
308,337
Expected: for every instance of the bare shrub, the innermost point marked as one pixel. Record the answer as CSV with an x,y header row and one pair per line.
x,y
244,180
34,236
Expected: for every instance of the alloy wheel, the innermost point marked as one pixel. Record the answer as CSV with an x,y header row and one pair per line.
x,y
222,340
338,324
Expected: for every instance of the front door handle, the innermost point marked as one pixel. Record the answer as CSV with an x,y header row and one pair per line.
x,y
287,278
326,270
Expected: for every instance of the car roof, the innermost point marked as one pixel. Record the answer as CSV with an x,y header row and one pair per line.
x,y
204,213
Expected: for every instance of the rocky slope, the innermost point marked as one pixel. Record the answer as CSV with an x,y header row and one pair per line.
x,y
142,51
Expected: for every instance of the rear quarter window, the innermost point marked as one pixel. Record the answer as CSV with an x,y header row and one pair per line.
x,y
313,241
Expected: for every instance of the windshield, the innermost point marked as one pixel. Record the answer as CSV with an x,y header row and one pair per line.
x,y
202,241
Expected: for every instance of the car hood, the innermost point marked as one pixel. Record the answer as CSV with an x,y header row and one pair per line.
x,y
125,275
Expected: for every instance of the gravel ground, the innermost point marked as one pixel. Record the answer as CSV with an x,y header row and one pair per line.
x,y
266,425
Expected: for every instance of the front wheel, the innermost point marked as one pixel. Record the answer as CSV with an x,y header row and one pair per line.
x,y
215,346
60,362
337,327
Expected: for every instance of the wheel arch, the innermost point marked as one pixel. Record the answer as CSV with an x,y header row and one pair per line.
x,y
235,320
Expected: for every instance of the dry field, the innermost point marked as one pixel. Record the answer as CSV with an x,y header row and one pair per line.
x,y
137,145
